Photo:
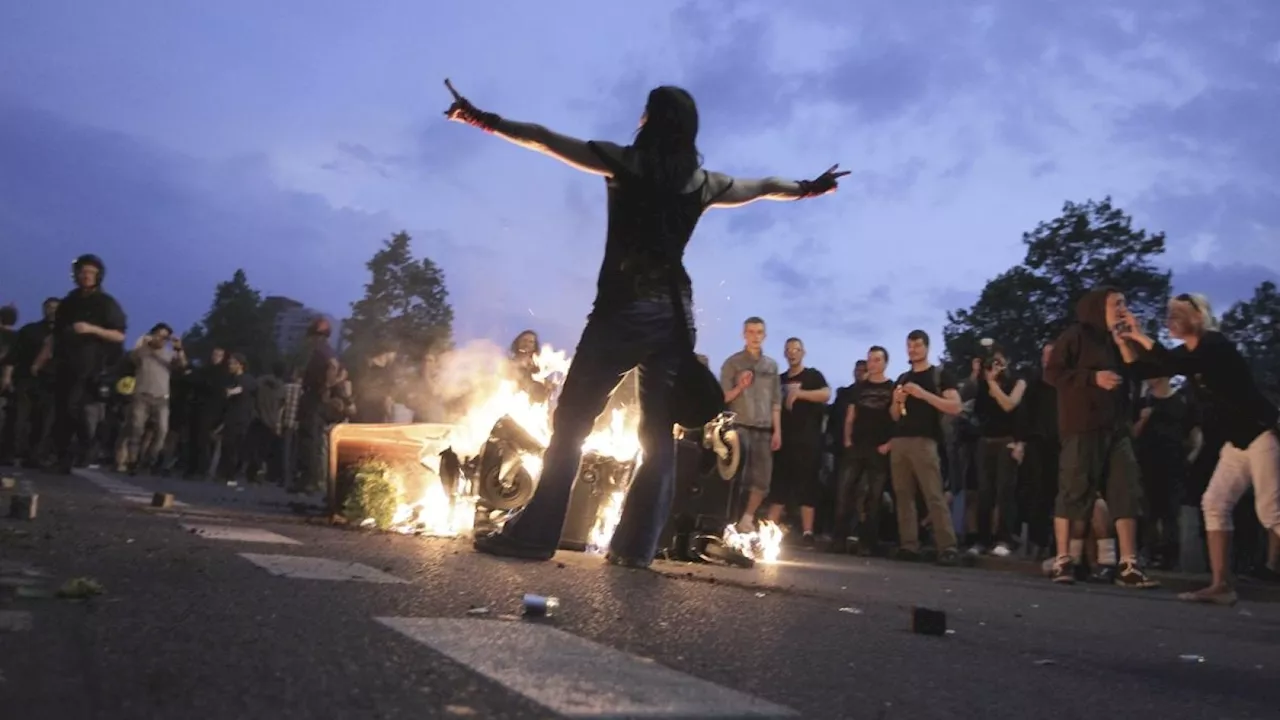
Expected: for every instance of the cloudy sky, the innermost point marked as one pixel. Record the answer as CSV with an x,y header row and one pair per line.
x,y
183,139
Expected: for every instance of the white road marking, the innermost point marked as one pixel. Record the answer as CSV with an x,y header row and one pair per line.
x,y
238,534
316,568
575,677
15,621
125,491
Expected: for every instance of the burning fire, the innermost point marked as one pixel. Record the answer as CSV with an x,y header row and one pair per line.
x,y
764,544
436,513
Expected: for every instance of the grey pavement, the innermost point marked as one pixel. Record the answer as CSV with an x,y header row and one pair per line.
x,y
188,627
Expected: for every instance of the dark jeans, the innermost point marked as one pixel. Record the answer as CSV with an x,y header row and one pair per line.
x,y
1040,472
73,393
29,420
643,335
313,454
263,452
200,441
235,451
863,478
997,490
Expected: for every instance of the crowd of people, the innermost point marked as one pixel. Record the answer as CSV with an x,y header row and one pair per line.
x,y
1091,460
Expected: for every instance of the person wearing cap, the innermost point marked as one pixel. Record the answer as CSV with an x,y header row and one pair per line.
x,y
88,325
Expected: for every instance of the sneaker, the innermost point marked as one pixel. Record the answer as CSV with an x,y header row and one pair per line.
x,y
949,558
1001,550
975,551
905,555
1105,574
1063,571
1131,576
503,546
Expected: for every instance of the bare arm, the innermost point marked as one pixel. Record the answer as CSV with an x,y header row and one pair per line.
x,y
736,192
568,150
821,395
1008,402
948,403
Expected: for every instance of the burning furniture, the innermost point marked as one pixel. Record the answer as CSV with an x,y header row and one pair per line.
x,y
403,446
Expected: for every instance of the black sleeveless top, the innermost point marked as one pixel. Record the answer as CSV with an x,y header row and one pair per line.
x,y
649,228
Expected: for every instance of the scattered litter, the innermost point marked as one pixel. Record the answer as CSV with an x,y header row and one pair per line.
x,y
1245,613
478,611
1043,663
507,617
851,610
24,507
928,622
128,541
162,500
80,588
759,594
8,483
1191,658
537,606
1035,607
950,631
460,710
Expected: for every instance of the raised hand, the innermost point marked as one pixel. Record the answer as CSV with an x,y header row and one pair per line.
x,y
464,112
825,183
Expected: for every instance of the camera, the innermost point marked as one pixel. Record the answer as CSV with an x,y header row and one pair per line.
x,y
989,351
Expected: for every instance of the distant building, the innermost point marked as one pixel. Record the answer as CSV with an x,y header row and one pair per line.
x,y
291,319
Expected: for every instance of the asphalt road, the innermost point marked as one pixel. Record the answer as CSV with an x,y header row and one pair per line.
x,y
188,627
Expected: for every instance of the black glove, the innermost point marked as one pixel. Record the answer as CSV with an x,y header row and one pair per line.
x,y
823,184
463,111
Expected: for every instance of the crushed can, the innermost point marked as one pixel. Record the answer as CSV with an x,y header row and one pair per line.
x,y
538,606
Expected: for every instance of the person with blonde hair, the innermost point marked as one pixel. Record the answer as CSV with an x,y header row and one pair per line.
x,y
1231,401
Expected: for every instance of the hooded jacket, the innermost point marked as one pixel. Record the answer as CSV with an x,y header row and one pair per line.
x,y
1083,350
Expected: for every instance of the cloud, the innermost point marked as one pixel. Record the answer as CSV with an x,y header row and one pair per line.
x,y
169,226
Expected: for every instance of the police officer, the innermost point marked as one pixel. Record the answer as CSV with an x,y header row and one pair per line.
x,y
87,326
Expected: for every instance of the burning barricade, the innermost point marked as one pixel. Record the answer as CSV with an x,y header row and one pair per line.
x,y
469,475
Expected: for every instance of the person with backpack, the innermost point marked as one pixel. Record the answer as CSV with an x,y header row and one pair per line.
x,y
923,398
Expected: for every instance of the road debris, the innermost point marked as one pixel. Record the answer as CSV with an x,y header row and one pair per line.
x,y
1042,663
537,606
851,610
925,621
80,588
478,611
24,507
1194,659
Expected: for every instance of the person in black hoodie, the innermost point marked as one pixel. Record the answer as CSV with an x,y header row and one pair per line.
x,y
1229,399
1096,388
237,417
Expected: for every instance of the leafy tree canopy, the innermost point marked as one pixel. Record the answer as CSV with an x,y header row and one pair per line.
x,y
1254,325
236,322
1088,245
405,305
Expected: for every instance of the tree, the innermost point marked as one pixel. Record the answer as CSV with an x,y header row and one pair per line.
x,y
405,303
1088,245
236,322
1254,326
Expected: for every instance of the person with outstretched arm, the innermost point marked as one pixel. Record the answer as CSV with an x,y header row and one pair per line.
x,y
1229,398
657,191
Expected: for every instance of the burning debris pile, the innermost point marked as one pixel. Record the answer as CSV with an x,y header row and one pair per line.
x,y
468,475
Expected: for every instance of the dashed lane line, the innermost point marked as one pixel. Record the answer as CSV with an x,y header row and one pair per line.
x,y
575,677
125,491
234,533
296,567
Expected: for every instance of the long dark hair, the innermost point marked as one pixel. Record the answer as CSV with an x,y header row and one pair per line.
x,y
667,144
